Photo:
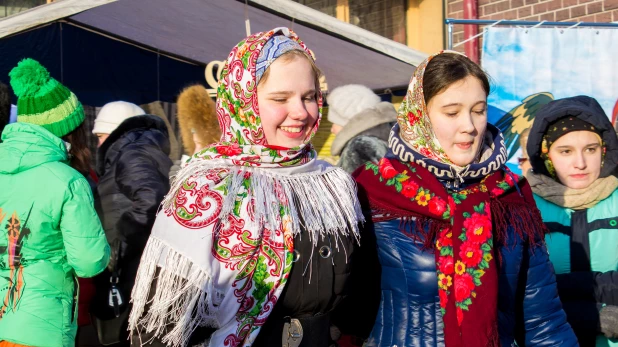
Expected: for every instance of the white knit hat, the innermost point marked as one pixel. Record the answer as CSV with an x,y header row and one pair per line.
x,y
114,113
346,101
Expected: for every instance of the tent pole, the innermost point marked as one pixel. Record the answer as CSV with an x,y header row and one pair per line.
x,y
61,56
450,36
449,21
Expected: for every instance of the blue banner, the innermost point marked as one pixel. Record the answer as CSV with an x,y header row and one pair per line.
x,y
529,67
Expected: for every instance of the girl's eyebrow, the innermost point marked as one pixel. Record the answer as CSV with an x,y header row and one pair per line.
x,y
459,104
288,93
281,93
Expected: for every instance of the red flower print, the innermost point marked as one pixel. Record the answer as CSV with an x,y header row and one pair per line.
x,y
445,239
423,197
509,180
463,287
471,254
459,315
288,239
478,228
414,117
443,298
229,151
444,281
409,189
426,152
460,268
437,206
447,265
496,191
386,169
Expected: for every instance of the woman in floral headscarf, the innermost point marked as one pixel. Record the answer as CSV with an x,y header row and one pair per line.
x,y
459,239
251,247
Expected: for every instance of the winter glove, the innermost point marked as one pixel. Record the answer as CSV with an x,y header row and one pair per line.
x,y
609,321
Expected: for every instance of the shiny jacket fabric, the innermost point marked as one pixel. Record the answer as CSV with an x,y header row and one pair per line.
x,y
133,167
49,234
529,310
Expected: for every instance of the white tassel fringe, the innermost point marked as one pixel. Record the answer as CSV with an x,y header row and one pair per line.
x,y
181,296
322,203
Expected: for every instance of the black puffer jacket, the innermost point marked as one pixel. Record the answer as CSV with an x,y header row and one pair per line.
x,y
133,167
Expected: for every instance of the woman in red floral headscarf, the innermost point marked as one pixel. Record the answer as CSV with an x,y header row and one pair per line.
x,y
459,239
253,243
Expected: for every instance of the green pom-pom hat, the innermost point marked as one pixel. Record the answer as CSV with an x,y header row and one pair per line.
x,y
44,101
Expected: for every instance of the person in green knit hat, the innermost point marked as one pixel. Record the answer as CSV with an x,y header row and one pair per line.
x,y
49,229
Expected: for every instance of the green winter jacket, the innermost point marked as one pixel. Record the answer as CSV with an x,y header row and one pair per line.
x,y
49,234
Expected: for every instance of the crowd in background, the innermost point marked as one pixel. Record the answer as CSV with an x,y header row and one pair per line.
x,y
420,235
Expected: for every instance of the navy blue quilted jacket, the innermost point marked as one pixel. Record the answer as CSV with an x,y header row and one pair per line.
x,y
529,309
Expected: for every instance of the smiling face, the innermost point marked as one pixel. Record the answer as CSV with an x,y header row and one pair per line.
x,y
577,158
458,117
287,99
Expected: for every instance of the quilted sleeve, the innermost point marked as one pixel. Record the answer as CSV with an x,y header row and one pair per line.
x,y
84,240
545,322
139,179
600,287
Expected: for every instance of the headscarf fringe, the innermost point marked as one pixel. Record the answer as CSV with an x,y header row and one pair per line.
x,y
525,220
180,299
418,227
322,203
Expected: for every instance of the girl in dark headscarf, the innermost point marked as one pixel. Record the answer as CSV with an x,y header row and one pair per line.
x,y
574,150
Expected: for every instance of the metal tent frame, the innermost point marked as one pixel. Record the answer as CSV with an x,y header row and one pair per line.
x,y
450,22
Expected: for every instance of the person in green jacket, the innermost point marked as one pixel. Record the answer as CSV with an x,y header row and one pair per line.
x,y
573,150
49,230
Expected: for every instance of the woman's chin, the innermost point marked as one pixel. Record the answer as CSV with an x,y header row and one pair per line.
x,y
462,160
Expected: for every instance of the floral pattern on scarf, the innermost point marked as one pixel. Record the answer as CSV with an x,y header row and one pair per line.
x,y
242,137
453,213
413,118
228,224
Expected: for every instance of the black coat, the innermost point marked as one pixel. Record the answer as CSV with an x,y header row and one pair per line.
x,y
316,286
133,167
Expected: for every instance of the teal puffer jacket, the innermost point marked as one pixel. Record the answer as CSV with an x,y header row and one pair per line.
x,y
49,234
583,247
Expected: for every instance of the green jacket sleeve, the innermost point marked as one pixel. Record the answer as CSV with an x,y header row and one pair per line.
x,y
84,240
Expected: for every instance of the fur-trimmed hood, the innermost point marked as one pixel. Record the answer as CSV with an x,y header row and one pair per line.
x,y
196,114
375,121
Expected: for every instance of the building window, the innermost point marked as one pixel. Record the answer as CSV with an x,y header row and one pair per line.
x,y
325,6
11,7
383,17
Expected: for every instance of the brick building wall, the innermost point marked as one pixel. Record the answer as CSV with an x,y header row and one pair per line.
x,y
536,10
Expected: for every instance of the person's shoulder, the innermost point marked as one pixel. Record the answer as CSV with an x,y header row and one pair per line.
x,y
60,172
61,179
366,143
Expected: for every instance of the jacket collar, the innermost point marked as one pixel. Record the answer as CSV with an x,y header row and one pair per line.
x,y
129,125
